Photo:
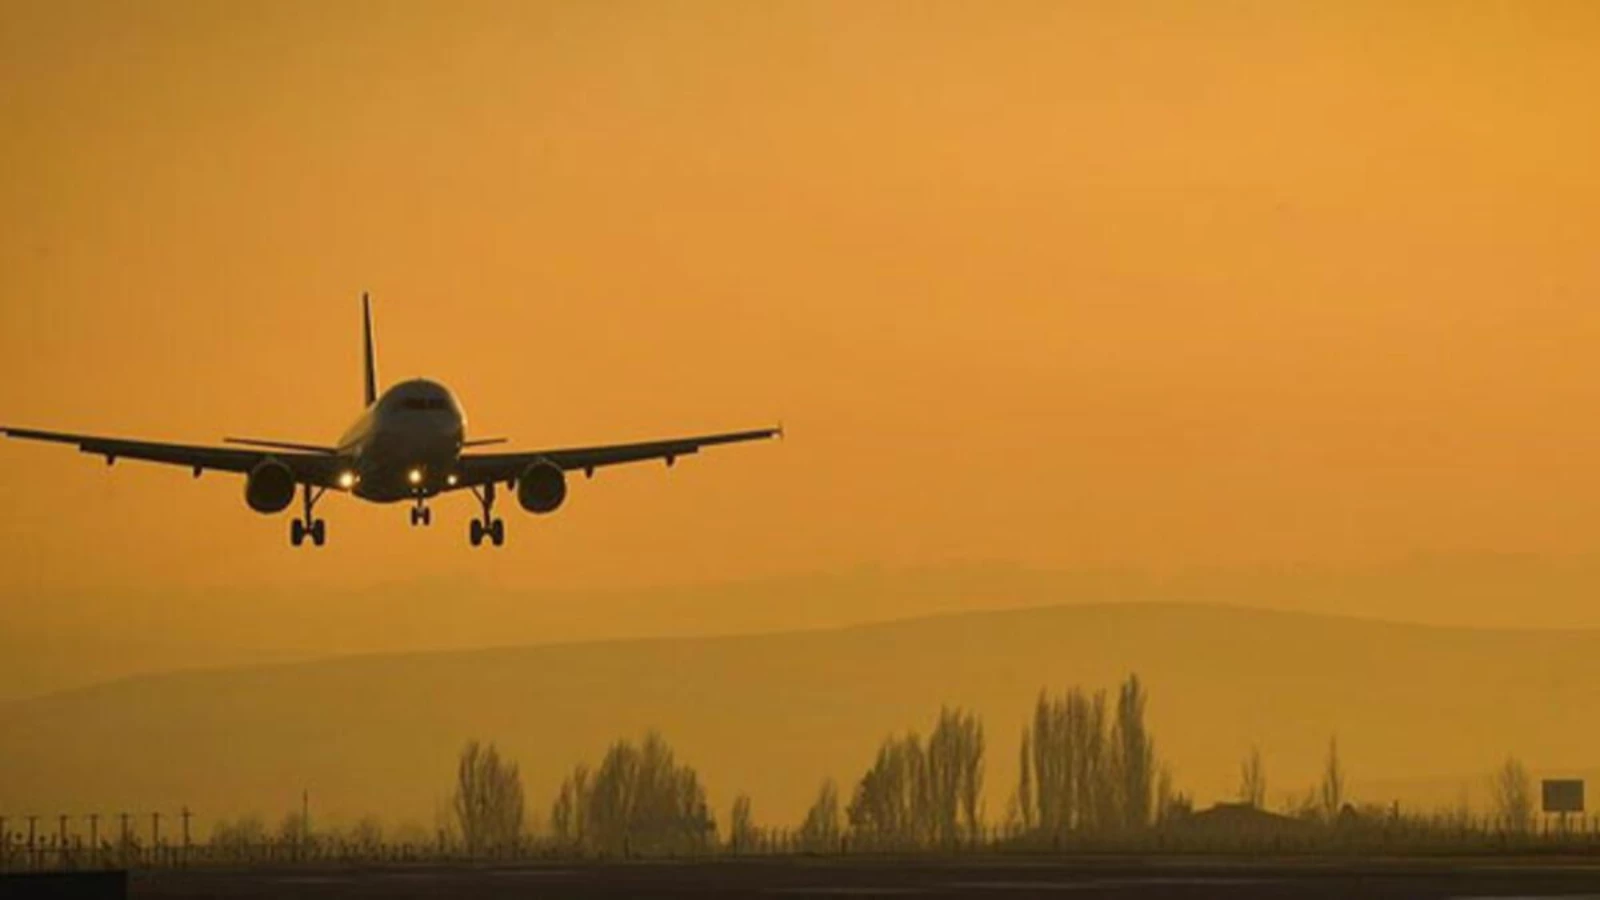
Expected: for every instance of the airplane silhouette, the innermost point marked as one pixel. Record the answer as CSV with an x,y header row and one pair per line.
x,y
408,444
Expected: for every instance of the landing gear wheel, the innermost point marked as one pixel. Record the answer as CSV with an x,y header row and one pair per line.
x,y
307,525
421,515
427,515
487,526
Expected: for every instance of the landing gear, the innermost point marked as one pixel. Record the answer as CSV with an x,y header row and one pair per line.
x,y
487,526
308,525
421,515
495,531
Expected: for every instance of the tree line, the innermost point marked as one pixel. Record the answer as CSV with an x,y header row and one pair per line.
x,y
1087,770
1088,767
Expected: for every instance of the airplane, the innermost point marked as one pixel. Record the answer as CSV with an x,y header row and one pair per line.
x,y
409,444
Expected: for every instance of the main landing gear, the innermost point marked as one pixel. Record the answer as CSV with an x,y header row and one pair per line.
x,y
487,526
307,525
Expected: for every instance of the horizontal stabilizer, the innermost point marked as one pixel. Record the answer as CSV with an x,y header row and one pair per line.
x,y
280,445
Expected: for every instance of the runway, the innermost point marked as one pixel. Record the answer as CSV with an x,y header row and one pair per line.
x,y
911,877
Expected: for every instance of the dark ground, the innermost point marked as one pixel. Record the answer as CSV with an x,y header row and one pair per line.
x,y
1011,877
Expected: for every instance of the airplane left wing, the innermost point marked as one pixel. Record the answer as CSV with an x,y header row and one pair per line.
x,y
317,469
483,468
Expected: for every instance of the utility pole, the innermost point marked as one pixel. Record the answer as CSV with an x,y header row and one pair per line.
x,y
94,836
61,840
33,848
155,837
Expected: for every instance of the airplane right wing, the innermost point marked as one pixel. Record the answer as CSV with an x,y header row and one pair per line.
x,y
317,469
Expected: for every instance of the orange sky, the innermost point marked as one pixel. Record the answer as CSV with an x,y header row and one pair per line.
x,y
1061,283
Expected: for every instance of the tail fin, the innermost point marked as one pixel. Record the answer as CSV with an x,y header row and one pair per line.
x,y
371,356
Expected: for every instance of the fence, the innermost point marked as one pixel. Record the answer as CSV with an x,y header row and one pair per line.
x,y
78,843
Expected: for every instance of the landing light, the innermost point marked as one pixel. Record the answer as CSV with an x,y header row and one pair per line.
x,y
414,476
451,479
347,480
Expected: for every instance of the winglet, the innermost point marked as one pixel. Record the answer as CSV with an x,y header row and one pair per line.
x,y
371,355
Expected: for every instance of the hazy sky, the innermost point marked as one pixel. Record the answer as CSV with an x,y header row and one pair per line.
x,y
1067,284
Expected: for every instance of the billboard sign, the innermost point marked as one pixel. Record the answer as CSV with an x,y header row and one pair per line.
x,y
1562,795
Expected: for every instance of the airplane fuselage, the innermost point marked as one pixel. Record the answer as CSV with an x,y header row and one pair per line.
x,y
407,444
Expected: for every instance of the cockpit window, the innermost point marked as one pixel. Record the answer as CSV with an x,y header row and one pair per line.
x,y
424,403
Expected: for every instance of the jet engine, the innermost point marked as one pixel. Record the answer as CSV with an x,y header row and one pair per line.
x,y
270,487
542,487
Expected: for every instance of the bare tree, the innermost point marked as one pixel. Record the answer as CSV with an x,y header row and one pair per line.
x,y
1512,792
1132,758
742,834
819,833
488,799
1331,791
1164,795
1023,808
567,813
890,806
639,800
954,783
1083,770
1253,780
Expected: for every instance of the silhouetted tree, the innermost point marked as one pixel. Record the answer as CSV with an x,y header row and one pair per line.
x,y
1077,777
953,762
1164,798
1512,793
639,800
1133,757
488,799
742,834
819,833
1022,812
1252,780
891,800
1331,792
567,813
1047,792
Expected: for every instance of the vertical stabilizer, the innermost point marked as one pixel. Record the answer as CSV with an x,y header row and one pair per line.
x,y
366,340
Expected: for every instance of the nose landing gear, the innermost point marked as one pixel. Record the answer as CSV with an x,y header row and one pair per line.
x,y
308,525
421,514
487,526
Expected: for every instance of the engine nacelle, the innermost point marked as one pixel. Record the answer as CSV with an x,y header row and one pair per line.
x,y
269,487
541,487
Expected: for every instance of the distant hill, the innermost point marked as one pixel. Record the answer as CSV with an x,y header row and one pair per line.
x,y
56,641
773,714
